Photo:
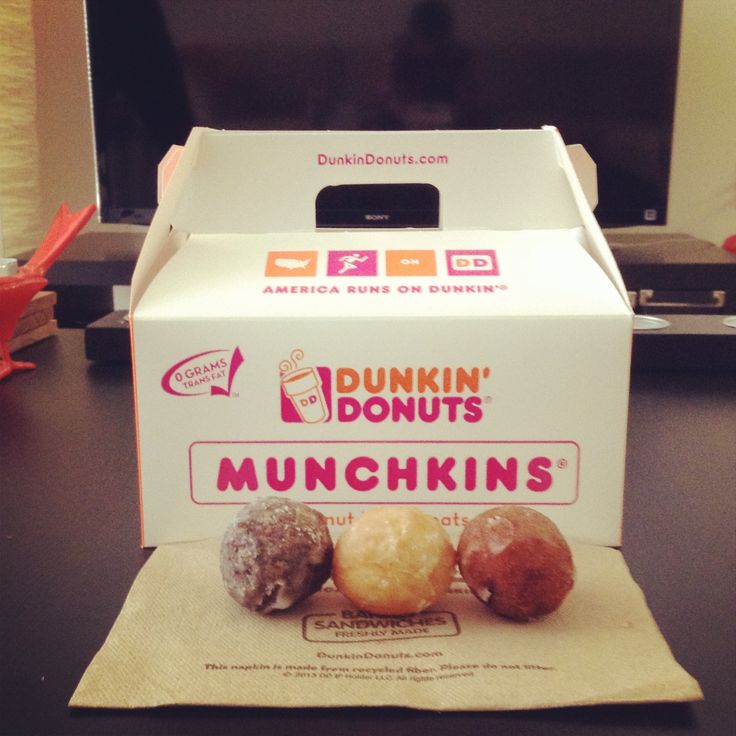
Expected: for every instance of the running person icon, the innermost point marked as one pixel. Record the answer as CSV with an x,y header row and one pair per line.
x,y
350,261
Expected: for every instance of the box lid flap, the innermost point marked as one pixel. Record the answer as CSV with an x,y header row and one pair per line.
x,y
382,274
246,181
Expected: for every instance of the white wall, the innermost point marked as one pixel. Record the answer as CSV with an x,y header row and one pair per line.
x,y
703,175
64,120
703,186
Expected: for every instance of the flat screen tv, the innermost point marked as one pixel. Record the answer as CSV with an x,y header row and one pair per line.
x,y
603,72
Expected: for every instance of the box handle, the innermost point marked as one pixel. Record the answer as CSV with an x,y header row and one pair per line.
x,y
378,206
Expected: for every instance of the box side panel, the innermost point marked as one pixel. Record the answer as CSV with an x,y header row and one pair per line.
x,y
594,241
158,247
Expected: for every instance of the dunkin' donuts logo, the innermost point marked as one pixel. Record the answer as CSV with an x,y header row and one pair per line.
x,y
211,373
317,394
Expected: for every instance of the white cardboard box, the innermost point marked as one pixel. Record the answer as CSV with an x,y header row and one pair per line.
x,y
483,362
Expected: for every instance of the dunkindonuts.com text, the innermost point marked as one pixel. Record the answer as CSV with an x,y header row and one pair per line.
x,y
387,159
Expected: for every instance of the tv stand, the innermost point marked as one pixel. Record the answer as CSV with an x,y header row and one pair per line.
x,y
689,283
84,275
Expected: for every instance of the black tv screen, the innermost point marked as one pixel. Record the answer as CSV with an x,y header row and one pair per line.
x,y
601,71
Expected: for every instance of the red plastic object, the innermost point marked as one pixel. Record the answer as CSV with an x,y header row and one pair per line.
x,y
17,290
729,244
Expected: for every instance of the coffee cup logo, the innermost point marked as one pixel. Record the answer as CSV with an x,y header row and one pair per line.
x,y
303,386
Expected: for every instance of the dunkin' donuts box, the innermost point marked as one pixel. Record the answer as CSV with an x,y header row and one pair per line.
x,y
353,319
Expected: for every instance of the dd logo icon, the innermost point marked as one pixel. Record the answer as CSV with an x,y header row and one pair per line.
x,y
472,263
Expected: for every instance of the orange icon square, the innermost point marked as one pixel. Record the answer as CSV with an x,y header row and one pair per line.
x,y
291,263
411,263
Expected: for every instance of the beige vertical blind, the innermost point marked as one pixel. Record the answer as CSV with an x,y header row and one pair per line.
x,y
19,160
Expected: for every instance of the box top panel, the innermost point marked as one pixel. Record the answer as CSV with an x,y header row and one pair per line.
x,y
341,274
245,181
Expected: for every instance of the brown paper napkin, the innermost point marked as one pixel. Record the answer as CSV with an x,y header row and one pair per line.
x,y
181,640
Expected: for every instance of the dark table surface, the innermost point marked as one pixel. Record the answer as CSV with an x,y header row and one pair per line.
x,y
70,552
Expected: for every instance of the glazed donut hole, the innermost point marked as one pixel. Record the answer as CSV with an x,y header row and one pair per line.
x,y
393,560
515,560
